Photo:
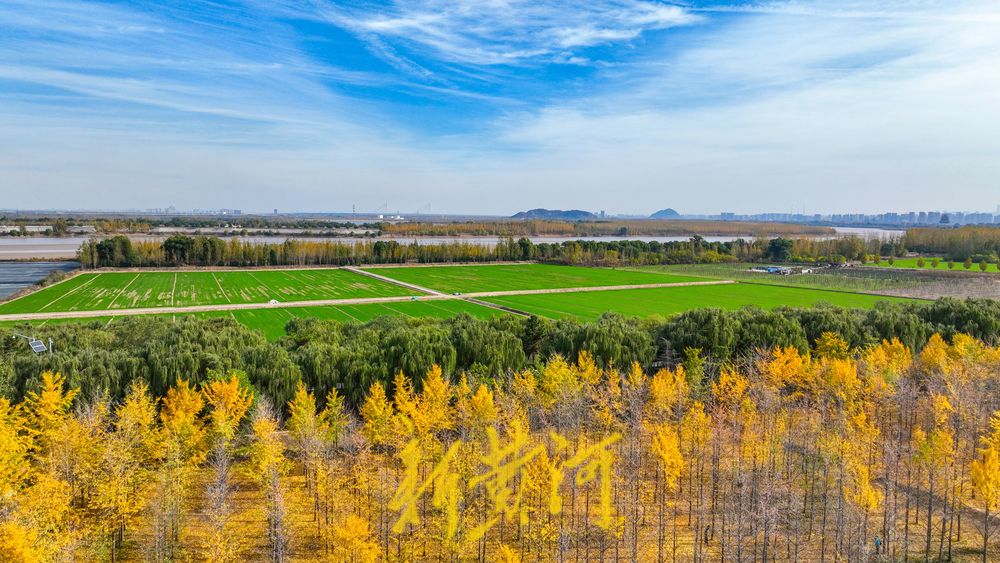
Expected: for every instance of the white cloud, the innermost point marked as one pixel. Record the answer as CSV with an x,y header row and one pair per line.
x,y
833,105
508,32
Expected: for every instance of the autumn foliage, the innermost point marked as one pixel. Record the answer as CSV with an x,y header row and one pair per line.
x,y
839,453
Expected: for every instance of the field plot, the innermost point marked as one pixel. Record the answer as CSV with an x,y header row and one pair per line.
x,y
670,300
472,279
128,290
271,321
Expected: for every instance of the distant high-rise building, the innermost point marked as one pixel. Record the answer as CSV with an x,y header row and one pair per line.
x,y
275,211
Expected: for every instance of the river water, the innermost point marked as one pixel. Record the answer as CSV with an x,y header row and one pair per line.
x,y
52,248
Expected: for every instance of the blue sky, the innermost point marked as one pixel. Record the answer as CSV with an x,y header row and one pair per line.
x,y
492,106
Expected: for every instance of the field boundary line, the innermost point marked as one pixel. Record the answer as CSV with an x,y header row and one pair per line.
x,y
394,281
121,292
593,288
341,309
70,292
392,265
218,283
556,313
498,307
847,291
173,289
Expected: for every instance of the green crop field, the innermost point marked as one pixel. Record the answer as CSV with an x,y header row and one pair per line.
x,y
271,321
670,300
118,290
125,290
942,265
471,279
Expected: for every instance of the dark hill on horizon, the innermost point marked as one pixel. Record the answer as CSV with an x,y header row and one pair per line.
x,y
667,213
558,214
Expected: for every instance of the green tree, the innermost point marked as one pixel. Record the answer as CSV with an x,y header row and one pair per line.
x,y
780,249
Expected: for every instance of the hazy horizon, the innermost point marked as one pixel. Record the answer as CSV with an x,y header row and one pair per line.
x,y
493,107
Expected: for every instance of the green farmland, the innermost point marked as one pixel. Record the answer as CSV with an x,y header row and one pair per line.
x,y
472,279
928,265
113,291
128,290
670,300
271,321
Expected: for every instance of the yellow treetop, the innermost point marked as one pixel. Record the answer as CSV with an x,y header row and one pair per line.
x,y
377,413
302,414
730,389
985,473
696,427
887,361
353,541
333,419
788,369
267,451
588,370
831,346
666,446
435,400
936,355
558,379
14,444
668,389
840,378
48,411
482,408
228,401
136,417
179,417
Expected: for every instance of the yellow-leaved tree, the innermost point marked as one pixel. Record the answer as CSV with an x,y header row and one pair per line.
x,y
123,472
985,474
353,541
268,465
666,447
183,437
228,401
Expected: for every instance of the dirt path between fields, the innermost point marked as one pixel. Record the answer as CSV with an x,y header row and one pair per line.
x,y
472,297
407,285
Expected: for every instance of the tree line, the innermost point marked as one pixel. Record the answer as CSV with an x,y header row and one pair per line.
x,y
184,250
101,358
959,244
831,452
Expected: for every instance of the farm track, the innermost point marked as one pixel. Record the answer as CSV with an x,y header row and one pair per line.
x,y
393,281
436,296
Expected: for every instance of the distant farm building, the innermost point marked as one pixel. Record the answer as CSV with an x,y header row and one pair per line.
x,y
781,270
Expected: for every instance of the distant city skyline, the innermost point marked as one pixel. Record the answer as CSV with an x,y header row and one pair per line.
x,y
466,107
889,218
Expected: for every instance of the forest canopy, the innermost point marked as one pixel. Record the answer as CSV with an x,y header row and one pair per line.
x,y
107,358
833,451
